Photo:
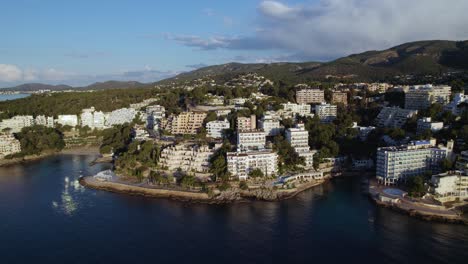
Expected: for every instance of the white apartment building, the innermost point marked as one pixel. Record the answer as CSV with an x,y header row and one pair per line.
x,y
426,123
8,145
42,120
16,123
121,116
290,110
215,129
67,120
450,186
310,96
241,164
189,158
270,125
418,157
298,137
187,123
250,139
394,117
92,118
422,96
379,87
326,112
247,123
154,115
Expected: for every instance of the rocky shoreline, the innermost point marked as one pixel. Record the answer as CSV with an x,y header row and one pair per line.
x,y
236,196
67,151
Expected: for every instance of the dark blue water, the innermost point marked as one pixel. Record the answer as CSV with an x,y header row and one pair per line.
x,y
47,217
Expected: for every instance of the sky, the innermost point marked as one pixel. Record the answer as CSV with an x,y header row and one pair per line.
x,y
82,42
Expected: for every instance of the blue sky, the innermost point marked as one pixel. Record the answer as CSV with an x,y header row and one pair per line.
x,y
80,42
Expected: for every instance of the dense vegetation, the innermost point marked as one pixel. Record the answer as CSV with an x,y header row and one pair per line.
x,y
73,102
37,139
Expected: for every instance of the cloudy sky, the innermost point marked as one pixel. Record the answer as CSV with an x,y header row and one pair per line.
x,y
81,42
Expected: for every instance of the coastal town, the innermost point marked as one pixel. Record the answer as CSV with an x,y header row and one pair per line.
x,y
220,147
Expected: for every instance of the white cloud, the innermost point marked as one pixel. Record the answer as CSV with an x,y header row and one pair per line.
x,y
10,73
332,28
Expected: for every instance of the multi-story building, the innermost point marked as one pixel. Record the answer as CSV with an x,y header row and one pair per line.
x,y
422,96
427,124
298,137
247,123
67,120
418,157
238,101
187,123
394,117
450,186
326,112
93,119
310,96
270,124
240,164
290,110
216,129
462,162
453,106
222,112
16,123
154,115
340,98
378,87
121,116
189,158
250,139
42,120
8,145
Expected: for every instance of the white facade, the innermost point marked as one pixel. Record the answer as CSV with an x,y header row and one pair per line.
x,y
270,125
42,120
187,158
241,164
326,112
253,139
215,129
418,157
291,110
8,145
450,186
16,123
67,120
298,137
121,116
92,118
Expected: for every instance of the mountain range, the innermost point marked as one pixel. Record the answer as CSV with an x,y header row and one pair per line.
x,y
414,58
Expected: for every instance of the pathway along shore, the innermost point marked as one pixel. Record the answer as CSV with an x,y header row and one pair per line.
x,y
414,208
188,196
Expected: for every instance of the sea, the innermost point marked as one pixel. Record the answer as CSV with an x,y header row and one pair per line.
x,y
46,216
6,97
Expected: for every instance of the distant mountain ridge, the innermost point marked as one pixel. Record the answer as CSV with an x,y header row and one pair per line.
x,y
31,87
420,57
